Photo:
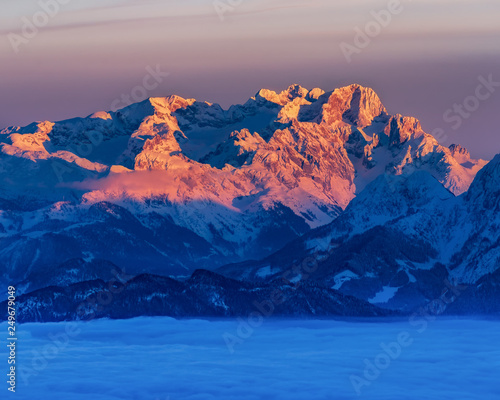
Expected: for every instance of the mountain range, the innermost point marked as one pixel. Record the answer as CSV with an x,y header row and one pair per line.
x,y
168,186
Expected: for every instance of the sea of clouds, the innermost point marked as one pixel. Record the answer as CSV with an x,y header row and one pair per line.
x,y
162,358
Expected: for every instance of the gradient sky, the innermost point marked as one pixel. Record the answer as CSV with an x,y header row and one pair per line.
x,y
91,52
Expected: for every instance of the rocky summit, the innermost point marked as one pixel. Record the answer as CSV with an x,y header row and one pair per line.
x,y
171,185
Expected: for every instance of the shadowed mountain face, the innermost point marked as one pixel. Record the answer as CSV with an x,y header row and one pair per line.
x,y
204,294
171,184
400,243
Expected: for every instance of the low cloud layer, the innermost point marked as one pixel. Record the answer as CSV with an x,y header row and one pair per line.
x,y
166,359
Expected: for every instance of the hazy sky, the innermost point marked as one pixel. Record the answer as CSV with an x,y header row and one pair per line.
x,y
428,57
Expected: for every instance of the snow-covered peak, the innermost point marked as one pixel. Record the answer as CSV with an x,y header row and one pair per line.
x,y
461,154
170,104
400,129
355,105
291,93
101,115
269,95
315,94
293,159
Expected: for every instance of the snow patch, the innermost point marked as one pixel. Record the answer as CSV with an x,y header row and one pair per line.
x,y
343,277
387,293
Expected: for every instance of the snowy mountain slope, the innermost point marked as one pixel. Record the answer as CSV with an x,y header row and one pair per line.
x,y
398,242
480,253
364,240
237,183
105,231
482,297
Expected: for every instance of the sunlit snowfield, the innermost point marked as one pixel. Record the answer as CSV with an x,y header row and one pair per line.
x,y
162,358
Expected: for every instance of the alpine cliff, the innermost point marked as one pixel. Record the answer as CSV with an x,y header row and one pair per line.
x,y
171,185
